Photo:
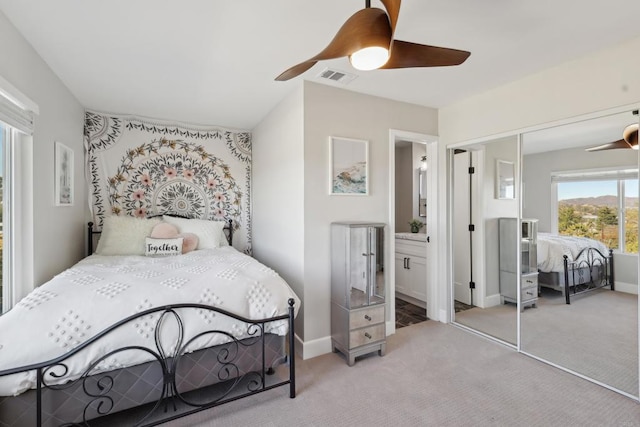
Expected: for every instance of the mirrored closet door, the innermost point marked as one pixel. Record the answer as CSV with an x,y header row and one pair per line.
x,y
485,202
580,188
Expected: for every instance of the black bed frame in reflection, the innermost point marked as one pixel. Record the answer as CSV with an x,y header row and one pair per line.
x,y
594,271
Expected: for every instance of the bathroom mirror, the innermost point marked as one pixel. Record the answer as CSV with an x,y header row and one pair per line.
x,y
584,199
484,259
422,192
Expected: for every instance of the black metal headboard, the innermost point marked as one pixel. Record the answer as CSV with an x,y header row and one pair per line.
x,y
228,230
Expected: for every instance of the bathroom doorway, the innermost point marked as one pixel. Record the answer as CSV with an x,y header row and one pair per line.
x,y
413,196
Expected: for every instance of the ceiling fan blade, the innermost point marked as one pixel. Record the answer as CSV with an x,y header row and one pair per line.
x,y
621,143
393,10
630,134
409,55
367,27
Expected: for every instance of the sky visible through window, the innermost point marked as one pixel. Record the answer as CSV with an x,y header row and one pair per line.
x,y
575,190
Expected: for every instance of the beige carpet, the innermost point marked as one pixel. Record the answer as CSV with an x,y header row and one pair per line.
x,y
596,335
499,321
433,375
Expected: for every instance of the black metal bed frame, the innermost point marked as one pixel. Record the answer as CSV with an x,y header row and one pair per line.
x,y
102,382
600,272
97,385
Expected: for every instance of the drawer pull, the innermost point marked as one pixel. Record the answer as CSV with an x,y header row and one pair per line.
x,y
367,334
366,316
529,281
529,293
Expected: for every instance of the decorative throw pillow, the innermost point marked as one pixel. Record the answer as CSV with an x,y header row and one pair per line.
x,y
164,230
208,232
189,242
124,235
163,247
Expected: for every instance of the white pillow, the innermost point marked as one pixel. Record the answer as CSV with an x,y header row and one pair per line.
x,y
124,235
208,232
223,236
163,247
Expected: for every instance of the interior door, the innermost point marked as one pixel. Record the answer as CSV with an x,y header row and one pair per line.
x,y
461,221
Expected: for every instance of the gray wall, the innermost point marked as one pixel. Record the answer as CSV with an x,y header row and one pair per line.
x,y
58,231
404,187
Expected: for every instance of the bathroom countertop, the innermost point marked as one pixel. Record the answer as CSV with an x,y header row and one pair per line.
x,y
421,237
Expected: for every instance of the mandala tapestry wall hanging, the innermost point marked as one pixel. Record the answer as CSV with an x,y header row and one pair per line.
x,y
142,167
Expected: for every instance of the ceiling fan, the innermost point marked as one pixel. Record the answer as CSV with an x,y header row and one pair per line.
x,y
629,139
367,39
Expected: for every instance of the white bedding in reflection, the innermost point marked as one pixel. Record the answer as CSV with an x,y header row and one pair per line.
x,y
552,247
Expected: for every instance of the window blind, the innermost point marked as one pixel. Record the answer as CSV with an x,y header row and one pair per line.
x,y
601,175
15,116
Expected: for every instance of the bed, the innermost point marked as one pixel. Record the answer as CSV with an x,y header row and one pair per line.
x,y
139,340
573,265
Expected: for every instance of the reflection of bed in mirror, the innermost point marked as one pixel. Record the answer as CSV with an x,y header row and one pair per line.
x,y
573,265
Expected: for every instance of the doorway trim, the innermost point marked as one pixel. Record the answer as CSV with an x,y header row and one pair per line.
x,y
431,142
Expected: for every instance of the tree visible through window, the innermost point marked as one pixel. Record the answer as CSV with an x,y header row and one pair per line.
x,y
604,210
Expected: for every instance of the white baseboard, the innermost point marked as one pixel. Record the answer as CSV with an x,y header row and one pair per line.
x,y
442,317
492,300
630,288
313,348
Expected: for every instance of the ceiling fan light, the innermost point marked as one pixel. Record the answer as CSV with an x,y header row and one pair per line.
x,y
369,58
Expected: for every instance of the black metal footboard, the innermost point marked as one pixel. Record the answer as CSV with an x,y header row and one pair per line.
x,y
178,377
593,271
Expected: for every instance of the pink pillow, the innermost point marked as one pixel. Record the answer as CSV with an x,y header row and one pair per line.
x,y
164,230
189,242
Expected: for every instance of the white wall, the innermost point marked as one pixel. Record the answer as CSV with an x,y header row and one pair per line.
x,y
600,81
278,194
58,231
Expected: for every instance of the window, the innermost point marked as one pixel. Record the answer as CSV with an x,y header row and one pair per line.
x,y
17,115
602,205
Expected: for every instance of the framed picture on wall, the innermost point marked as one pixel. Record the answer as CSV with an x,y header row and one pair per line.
x,y
349,166
505,180
63,179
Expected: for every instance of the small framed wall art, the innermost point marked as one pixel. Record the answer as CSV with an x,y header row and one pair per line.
x,y
505,180
63,157
349,164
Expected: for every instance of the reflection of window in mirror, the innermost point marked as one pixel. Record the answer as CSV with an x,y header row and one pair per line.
x,y
422,187
505,180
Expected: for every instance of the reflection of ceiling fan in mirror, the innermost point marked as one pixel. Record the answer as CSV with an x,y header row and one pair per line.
x,y
629,139
367,39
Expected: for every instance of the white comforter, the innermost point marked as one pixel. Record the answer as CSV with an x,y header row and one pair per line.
x,y
552,247
101,290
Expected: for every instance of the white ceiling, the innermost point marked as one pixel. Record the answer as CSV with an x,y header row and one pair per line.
x,y
214,62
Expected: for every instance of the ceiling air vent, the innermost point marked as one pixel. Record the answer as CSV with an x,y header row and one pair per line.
x,y
336,76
